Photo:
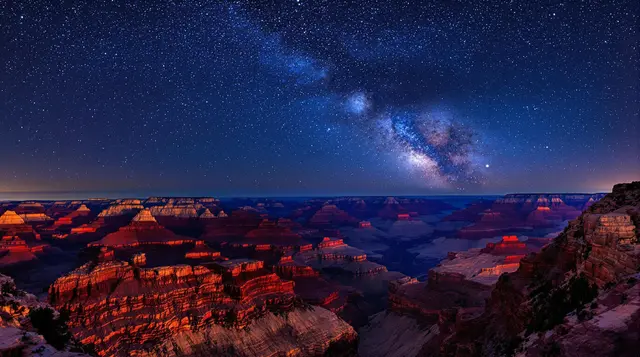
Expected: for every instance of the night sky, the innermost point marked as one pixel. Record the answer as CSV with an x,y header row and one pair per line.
x,y
318,97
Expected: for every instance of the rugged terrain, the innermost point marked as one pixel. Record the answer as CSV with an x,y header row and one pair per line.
x,y
578,296
244,277
29,327
184,310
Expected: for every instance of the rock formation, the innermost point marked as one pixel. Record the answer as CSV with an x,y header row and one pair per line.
x,y
202,251
520,212
11,218
11,224
193,310
330,215
142,230
121,209
35,218
177,211
207,214
29,327
78,217
15,250
577,297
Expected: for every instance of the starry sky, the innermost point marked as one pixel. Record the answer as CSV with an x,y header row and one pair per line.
x,y
307,97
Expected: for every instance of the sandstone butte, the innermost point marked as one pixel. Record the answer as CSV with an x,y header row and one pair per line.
x,y
329,215
225,308
142,230
578,296
12,224
79,216
10,218
15,250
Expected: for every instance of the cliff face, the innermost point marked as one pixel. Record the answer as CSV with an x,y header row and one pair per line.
x,y
190,310
576,297
29,327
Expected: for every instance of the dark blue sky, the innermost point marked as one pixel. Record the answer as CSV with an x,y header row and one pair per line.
x,y
318,97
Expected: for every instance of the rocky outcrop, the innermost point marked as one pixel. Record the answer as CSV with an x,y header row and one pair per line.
x,y
577,297
202,251
29,327
311,331
35,218
543,216
186,310
176,211
122,209
612,243
207,214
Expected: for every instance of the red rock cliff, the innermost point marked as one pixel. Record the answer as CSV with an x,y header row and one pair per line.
x,y
191,310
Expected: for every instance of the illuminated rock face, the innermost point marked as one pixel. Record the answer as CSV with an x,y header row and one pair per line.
x,y
29,207
11,224
508,245
207,215
18,337
122,209
202,251
288,268
144,216
334,254
11,218
234,267
178,310
37,218
543,216
613,240
337,250
177,211
85,228
142,230
139,259
474,265
14,250
579,296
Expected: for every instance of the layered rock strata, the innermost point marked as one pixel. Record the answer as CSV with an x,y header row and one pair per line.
x,y
191,310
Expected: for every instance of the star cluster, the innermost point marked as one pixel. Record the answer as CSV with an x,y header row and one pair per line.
x,y
309,97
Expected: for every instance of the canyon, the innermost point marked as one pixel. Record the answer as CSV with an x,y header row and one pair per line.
x,y
342,276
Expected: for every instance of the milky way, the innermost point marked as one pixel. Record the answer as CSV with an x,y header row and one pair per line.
x,y
442,150
318,97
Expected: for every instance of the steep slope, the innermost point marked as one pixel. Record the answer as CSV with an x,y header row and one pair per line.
x,y
576,297
29,327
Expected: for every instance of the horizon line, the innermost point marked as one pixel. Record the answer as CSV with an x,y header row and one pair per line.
x,y
123,195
